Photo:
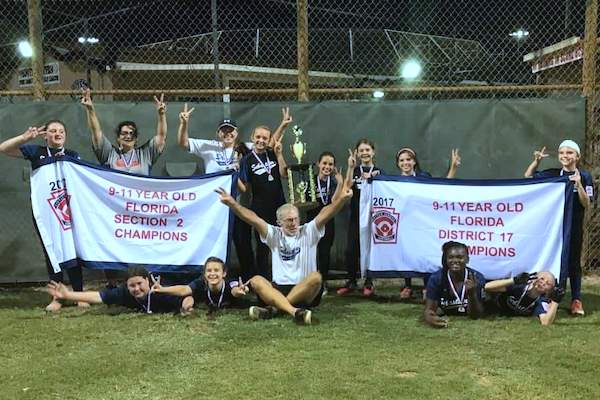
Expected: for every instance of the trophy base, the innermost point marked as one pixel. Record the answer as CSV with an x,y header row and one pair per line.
x,y
307,205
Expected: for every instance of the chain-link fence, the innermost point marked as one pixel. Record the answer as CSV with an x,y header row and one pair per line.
x,y
195,46
239,50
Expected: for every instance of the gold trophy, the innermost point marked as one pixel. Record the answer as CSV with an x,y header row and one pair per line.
x,y
300,176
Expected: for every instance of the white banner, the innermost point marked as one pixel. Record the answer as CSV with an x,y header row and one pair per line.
x,y
109,219
509,228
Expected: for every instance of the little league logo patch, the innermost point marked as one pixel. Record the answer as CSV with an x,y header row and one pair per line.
x,y
385,225
59,203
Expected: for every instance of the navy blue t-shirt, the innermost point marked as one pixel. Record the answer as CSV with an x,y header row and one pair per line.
x,y
219,299
586,181
35,152
159,303
439,290
267,195
515,301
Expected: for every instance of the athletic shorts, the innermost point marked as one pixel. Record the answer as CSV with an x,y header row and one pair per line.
x,y
286,289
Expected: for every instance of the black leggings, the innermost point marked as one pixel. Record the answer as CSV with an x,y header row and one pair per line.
x,y
242,239
324,249
353,251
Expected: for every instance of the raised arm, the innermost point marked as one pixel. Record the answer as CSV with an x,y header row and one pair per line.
x,y
61,292
332,209
10,147
247,215
286,119
538,155
182,132
500,285
351,165
161,127
282,164
454,164
92,118
475,308
581,193
340,184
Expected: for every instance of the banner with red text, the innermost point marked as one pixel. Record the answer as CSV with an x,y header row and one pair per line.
x,y
509,226
108,219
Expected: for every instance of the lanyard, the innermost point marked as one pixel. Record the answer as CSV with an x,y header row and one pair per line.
x,y
523,296
146,307
267,167
362,171
210,300
324,200
130,161
223,150
60,152
460,298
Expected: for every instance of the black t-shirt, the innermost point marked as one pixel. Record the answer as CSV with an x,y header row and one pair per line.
x,y
586,182
323,195
438,289
515,301
357,182
155,302
35,152
215,300
267,195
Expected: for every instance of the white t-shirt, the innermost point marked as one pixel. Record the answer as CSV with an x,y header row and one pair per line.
x,y
216,157
294,257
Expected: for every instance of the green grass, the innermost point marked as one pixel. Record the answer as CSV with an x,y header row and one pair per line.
x,y
359,350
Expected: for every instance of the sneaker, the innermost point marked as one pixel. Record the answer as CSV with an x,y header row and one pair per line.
x,y
347,288
368,291
259,313
303,316
54,306
406,293
577,308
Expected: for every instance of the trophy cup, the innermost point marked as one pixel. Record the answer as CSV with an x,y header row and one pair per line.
x,y
300,175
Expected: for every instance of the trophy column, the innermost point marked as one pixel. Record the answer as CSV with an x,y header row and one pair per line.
x,y
301,179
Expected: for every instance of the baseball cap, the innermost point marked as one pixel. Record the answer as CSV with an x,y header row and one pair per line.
x,y
227,122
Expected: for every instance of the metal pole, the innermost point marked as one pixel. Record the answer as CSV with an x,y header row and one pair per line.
x,y
88,72
567,23
302,14
590,47
34,15
215,45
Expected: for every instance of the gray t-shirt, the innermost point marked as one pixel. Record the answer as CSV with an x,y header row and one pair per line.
x,y
137,161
